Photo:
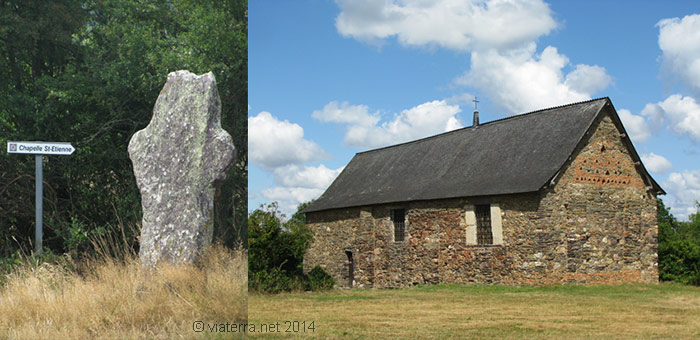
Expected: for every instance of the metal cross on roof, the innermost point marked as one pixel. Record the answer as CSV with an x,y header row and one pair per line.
x,y
476,102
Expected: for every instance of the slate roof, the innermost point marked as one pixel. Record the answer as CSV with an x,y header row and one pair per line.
x,y
518,154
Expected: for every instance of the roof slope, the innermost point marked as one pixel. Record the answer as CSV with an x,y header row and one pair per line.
x,y
512,155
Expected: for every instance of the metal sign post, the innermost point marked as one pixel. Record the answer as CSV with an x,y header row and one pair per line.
x,y
39,149
39,203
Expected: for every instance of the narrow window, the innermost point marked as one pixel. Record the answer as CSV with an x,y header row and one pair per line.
x,y
483,224
398,216
351,268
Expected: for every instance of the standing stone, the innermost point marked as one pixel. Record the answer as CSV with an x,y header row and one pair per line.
x,y
179,160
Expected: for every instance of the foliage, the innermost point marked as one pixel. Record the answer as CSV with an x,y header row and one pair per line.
x,y
20,260
273,280
319,279
679,247
276,252
75,235
89,72
9,263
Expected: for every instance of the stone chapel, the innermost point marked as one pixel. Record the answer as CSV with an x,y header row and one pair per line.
x,y
553,196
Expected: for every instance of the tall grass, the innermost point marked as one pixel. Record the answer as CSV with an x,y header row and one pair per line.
x,y
107,297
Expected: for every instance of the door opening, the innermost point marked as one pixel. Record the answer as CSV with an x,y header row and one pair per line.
x,y
351,268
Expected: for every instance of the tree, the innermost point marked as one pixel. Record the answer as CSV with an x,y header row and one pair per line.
x,y
36,46
679,247
277,244
276,252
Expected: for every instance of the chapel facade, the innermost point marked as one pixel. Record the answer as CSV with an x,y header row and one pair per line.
x,y
553,196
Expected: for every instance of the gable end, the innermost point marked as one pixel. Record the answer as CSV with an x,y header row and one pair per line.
x,y
610,157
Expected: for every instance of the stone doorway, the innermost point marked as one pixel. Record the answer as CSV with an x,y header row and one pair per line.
x,y
351,268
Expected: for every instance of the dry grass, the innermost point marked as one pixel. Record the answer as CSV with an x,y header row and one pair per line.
x,y
115,300
663,311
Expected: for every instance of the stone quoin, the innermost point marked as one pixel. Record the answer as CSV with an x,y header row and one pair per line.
x,y
179,160
553,196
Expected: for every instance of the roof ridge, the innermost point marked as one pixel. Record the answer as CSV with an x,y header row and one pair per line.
x,y
514,116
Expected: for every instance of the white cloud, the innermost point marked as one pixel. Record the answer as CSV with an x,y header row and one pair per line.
x,y
521,81
273,143
684,190
636,126
454,24
587,79
279,147
346,113
656,163
289,198
364,130
453,124
461,98
295,184
500,34
682,114
312,177
654,114
679,39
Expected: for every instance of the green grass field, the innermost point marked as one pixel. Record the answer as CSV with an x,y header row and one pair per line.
x,y
663,311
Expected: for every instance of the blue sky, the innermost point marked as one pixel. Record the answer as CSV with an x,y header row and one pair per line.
x,y
328,79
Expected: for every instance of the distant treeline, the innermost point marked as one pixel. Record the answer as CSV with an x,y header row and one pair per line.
x,y
679,247
89,72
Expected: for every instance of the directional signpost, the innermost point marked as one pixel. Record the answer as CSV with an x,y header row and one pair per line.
x,y
39,149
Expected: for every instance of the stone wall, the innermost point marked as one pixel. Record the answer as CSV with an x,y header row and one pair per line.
x,y
606,214
334,232
595,223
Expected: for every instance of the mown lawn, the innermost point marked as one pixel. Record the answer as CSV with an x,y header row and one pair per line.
x,y
663,311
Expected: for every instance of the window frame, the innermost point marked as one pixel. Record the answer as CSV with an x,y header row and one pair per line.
x,y
395,224
484,226
470,220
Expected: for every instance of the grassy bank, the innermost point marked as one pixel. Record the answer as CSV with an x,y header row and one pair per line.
x,y
108,299
662,311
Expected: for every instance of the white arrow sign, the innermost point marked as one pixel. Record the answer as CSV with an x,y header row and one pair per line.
x,y
40,148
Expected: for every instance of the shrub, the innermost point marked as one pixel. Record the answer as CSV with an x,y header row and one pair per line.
x,y
679,260
277,251
275,281
319,279
272,281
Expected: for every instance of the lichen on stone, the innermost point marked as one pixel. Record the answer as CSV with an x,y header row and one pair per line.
x,y
174,170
